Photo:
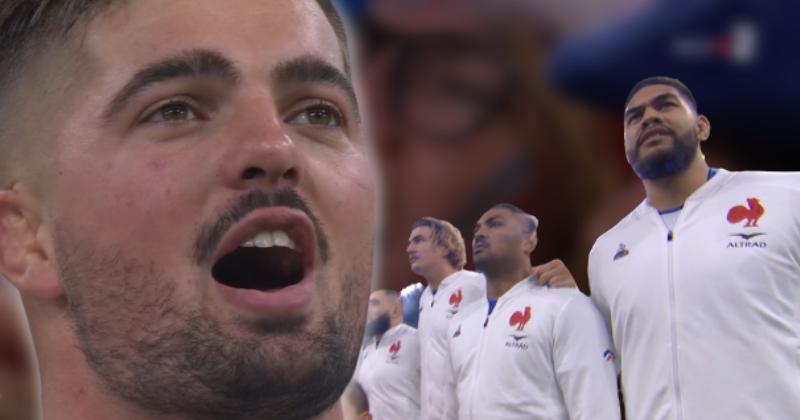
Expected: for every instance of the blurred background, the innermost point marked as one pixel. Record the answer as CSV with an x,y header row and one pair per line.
x,y
478,102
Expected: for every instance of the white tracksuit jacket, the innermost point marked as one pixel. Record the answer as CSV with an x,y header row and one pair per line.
x,y
389,374
435,311
706,319
543,354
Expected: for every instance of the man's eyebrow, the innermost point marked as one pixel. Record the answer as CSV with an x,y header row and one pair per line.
x,y
192,63
659,98
633,111
310,69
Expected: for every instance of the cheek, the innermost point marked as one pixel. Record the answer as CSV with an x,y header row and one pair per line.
x,y
127,201
345,197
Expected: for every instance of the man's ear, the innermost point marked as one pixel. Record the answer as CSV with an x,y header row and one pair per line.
x,y
703,128
531,241
26,257
397,309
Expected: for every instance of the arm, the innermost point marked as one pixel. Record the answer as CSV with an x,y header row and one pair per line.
x,y
584,362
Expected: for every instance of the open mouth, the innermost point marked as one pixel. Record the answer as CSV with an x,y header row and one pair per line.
x,y
269,260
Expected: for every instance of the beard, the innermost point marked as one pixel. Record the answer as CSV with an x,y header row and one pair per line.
x,y
495,264
377,326
171,356
663,164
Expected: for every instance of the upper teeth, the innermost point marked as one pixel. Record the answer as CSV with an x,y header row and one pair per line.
x,y
270,239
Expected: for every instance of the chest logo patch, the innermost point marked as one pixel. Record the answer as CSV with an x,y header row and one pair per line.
x,y
519,318
749,214
394,349
455,300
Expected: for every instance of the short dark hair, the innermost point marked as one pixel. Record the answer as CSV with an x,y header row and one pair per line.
x,y
27,25
682,89
531,222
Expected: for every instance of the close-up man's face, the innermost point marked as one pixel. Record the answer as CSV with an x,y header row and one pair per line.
x,y
211,206
661,134
499,237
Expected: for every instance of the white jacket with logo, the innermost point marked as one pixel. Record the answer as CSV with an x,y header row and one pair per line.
x,y
389,374
435,311
542,354
706,318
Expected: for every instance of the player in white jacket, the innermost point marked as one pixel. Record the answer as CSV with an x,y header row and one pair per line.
x,y
529,352
388,369
700,284
436,252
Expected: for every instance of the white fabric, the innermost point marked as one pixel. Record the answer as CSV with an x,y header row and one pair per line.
x,y
542,354
389,374
707,325
435,312
670,219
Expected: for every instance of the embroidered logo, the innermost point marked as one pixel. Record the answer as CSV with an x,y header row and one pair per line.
x,y
455,300
609,355
394,349
519,318
751,213
748,237
621,251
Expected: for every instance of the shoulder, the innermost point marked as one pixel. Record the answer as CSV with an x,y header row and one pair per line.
x,y
561,298
408,331
469,277
472,283
789,181
470,310
573,307
631,221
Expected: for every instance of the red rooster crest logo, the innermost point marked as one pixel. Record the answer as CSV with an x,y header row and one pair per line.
x,y
751,213
519,319
394,349
455,298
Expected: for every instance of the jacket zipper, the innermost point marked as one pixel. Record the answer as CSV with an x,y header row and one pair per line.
x,y
673,325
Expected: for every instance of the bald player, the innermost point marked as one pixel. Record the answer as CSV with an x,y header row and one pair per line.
x,y
526,351
389,368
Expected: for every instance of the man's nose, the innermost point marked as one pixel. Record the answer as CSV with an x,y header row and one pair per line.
x,y
260,151
650,117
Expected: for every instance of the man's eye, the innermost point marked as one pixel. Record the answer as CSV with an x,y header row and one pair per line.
x,y
320,114
172,112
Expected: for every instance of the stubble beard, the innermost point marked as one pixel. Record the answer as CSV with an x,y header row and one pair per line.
x,y
667,163
171,357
